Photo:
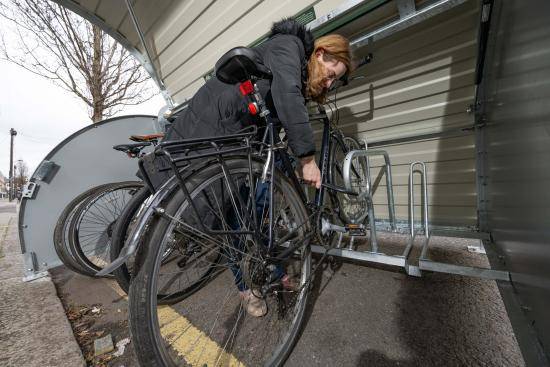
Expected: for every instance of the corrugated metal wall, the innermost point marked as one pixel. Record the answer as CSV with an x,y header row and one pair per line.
x,y
197,33
516,102
420,83
187,37
412,100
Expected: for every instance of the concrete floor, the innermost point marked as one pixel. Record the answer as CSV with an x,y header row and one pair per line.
x,y
34,330
364,316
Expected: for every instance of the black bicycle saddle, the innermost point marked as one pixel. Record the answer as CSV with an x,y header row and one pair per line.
x,y
240,64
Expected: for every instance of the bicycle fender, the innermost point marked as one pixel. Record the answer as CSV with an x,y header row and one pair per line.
x,y
132,244
133,241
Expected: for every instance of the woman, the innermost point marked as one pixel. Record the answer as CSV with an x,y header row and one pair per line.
x,y
301,69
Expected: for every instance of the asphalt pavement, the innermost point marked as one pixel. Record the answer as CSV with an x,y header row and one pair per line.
x,y
359,315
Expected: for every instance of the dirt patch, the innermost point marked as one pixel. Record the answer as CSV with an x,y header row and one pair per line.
x,y
95,308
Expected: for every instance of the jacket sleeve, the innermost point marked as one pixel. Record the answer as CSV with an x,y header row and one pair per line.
x,y
284,60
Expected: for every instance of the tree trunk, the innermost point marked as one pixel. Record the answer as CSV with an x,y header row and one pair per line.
x,y
96,82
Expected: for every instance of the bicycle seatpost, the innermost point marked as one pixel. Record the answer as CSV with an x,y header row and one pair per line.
x,y
258,105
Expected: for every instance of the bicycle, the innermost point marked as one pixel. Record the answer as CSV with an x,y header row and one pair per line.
x,y
85,228
193,250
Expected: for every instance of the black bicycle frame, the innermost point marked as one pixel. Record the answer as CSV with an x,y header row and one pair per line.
x,y
217,149
324,159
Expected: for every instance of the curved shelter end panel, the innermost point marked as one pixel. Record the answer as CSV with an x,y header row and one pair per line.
x,y
84,160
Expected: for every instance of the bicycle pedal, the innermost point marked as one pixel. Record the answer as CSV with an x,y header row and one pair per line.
x,y
355,229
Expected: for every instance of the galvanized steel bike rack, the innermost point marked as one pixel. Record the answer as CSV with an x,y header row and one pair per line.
x,y
375,256
368,194
411,269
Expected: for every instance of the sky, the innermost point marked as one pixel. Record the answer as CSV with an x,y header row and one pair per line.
x,y
43,115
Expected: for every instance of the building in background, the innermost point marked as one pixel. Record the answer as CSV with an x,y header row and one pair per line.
x,y
3,186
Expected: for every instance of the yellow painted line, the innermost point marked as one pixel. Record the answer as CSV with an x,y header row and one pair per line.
x,y
193,345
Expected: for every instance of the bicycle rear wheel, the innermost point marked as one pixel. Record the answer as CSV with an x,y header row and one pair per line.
x,y
208,324
61,231
92,225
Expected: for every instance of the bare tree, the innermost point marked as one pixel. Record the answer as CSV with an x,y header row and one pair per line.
x,y
76,55
21,176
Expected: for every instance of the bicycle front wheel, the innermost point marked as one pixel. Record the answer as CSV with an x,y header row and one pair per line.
x,y
200,259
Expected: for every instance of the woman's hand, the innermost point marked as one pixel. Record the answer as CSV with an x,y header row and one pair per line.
x,y
310,172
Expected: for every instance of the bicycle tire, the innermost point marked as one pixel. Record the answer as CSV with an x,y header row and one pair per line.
x,y
60,240
350,208
89,243
120,231
143,301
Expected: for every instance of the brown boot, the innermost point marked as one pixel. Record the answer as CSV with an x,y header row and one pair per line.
x,y
255,306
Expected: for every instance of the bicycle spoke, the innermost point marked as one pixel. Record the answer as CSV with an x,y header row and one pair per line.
x,y
209,273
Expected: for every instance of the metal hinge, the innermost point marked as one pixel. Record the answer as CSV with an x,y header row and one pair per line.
x,y
28,190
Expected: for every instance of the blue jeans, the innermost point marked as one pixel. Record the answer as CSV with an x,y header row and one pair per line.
x,y
261,199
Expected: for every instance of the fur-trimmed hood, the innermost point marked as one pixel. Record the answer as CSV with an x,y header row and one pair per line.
x,y
290,26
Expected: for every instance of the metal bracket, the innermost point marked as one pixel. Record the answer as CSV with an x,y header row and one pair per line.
x,y
405,8
479,249
31,270
28,190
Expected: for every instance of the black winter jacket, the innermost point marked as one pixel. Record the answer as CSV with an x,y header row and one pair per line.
x,y
219,109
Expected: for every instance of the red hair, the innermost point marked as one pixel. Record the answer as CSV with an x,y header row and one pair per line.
x,y
334,47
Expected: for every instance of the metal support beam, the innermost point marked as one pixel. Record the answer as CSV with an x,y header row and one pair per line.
x,y
149,66
405,22
93,18
342,15
470,271
460,234
366,256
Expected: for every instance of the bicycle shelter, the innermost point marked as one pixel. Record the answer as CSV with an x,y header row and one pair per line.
x,y
456,96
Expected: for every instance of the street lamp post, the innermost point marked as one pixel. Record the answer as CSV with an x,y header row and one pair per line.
x,y
11,178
